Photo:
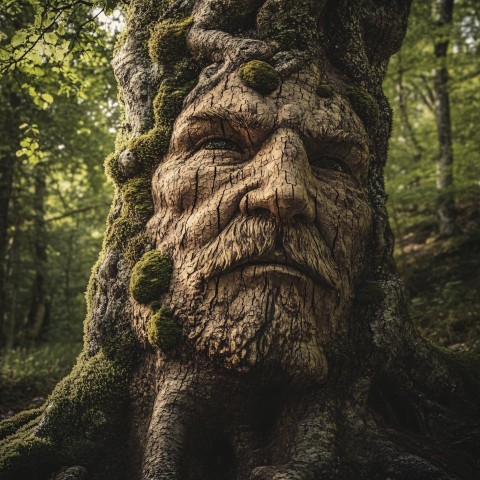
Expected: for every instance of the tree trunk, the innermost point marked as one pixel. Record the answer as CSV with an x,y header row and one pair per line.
x,y
36,320
445,208
7,163
246,320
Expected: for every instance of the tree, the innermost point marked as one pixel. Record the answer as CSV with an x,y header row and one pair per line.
x,y
245,316
413,172
445,202
56,86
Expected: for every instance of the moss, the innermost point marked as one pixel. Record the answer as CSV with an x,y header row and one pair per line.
x,y
292,26
135,248
112,169
365,106
162,331
185,70
150,147
369,292
150,277
325,90
260,76
122,230
169,101
28,457
136,193
11,425
168,40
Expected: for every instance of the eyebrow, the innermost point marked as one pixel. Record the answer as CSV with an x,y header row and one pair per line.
x,y
241,119
266,121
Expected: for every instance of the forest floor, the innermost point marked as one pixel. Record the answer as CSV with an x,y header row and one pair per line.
x,y
442,277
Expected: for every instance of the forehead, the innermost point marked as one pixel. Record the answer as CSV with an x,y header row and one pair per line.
x,y
295,102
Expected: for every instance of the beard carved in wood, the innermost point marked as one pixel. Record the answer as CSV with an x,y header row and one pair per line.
x,y
261,202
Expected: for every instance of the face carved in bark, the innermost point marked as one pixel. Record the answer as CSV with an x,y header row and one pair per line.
x,y
261,202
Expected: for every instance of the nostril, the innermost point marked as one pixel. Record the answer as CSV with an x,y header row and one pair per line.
x,y
299,218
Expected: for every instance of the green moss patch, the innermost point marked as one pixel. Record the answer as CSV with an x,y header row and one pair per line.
x,y
169,101
260,76
137,195
365,106
28,457
11,425
168,40
150,277
162,331
150,147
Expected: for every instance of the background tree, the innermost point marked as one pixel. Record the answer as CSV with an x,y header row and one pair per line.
x,y
56,88
413,172
391,401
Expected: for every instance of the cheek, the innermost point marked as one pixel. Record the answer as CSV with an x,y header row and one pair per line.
x,y
344,219
175,188
194,202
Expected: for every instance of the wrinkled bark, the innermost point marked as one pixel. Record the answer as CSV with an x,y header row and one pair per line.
x,y
445,208
246,320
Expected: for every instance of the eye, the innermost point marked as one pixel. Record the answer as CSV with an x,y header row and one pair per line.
x,y
221,144
330,163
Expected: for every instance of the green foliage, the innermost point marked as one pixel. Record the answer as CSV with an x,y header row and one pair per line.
x,y
162,331
150,277
31,372
260,76
57,119
411,172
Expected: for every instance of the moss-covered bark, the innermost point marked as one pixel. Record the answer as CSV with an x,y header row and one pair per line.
x,y
389,405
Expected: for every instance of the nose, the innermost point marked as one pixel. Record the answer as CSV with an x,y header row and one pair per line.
x,y
282,171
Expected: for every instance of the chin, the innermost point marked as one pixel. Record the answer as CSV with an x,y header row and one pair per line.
x,y
258,324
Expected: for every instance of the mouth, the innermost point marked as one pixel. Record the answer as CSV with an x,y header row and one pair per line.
x,y
278,264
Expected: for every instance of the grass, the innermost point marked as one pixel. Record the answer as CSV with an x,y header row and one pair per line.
x,y
28,374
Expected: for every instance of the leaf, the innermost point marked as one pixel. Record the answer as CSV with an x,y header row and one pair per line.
x,y
19,38
51,38
47,97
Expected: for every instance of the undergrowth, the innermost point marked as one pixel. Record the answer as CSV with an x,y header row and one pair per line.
x,y
29,374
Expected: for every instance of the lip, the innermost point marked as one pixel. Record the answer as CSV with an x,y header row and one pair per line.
x,y
279,265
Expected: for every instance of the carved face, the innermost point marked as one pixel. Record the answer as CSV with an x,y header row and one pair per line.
x,y
261,201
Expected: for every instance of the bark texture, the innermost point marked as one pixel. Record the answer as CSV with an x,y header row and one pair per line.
x,y
245,317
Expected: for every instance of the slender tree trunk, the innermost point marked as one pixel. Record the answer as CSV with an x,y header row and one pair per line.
x,y
245,319
404,112
36,320
7,163
13,254
445,209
